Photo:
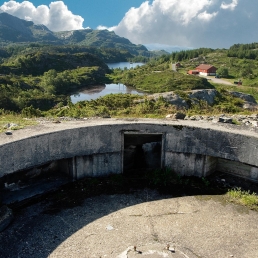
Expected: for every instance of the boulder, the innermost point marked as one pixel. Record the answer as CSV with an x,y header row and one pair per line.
x,y
10,126
195,96
246,97
250,106
171,97
224,119
207,95
177,115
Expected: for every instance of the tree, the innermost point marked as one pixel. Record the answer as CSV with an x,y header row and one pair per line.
x,y
246,72
222,72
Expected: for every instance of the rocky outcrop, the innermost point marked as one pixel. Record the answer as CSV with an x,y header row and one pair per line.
x,y
205,95
247,120
187,98
246,97
171,97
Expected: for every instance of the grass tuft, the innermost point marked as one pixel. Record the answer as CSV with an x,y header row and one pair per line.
x,y
246,198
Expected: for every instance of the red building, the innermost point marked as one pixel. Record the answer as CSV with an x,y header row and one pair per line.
x,y
204,69
193,72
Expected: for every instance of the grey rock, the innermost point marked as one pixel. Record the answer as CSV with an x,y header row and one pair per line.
x,y
254,123
195,118
170,97
10,126
205,95
243,96
250,106
225,120
177,115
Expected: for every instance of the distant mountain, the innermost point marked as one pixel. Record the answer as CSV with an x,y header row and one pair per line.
x,y
16,31
167,48
100,38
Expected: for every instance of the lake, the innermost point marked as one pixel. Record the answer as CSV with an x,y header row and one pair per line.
x,y
94,92
123,65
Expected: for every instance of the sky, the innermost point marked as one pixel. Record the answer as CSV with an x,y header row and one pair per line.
x,y
184,23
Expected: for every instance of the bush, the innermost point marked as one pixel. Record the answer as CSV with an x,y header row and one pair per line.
x,y
222,72
31,112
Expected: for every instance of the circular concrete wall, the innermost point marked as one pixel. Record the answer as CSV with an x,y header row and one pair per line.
x,y
103,141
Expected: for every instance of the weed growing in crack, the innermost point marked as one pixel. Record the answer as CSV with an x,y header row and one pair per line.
x,y
246,198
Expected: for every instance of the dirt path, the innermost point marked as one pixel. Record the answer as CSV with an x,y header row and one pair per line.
x,y
221,81
218,80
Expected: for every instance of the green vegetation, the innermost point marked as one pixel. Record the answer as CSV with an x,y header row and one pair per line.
x,y
222,72
36,80
115,105
159,78
233,67
244,51
21,122
246,198
108,55
37,63
46,91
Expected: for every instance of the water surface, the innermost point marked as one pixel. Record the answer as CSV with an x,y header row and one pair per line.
x,y
94,92
123,65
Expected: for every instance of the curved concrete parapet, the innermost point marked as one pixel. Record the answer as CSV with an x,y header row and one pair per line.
x,y
96,147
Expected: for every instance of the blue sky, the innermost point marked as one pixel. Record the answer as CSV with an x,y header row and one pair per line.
x,y
97,12
184,23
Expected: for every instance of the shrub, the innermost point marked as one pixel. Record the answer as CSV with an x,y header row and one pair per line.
x,y
31,112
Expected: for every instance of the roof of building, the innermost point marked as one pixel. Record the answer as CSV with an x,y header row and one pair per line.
x,y
204,66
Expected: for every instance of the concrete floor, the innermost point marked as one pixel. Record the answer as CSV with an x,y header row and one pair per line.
x,y
111,225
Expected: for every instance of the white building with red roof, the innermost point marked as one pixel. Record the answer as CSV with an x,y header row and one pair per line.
x,y
205,69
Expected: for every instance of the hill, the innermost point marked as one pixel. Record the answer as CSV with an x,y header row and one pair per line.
x,y
17,31
37,63
101,39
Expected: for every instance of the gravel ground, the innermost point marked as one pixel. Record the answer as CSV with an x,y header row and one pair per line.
x,y
111,225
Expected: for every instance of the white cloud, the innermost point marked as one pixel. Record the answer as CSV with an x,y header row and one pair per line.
x,y
101,27
230,6
163,21
56,16
184,11
194,23
206,16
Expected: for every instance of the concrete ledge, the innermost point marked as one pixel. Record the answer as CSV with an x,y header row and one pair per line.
x,y
97,145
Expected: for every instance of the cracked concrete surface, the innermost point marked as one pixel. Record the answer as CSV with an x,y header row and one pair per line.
x,y
111,225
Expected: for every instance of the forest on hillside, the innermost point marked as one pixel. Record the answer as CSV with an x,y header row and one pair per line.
x,y
38,78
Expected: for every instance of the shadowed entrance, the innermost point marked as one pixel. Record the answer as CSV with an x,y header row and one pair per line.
x,y
141,152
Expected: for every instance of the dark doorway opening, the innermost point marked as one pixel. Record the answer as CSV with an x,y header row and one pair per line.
x,y
141,152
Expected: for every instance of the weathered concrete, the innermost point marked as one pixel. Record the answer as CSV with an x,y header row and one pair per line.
x,y
6,217
109,226
95,147
191,164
